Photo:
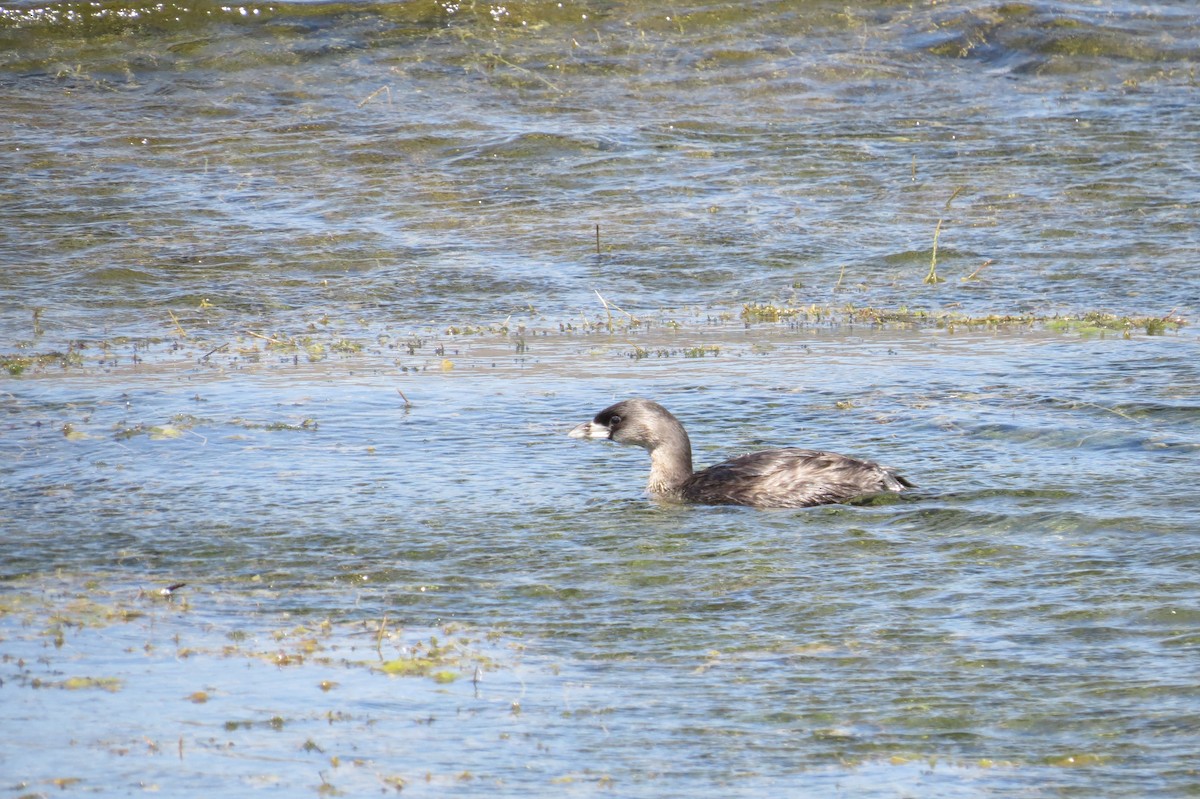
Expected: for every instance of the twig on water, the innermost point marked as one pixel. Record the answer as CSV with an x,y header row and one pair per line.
x,y
520,68
264,338
609,305
606,309
957,192
597,238
178,327
932,277
982,266
1101,407
206,355
379,638
381,90
407,404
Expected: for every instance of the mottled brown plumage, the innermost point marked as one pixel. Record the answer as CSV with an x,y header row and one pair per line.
x,y
774,478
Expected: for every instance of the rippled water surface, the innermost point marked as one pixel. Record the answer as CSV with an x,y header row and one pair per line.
x,y
298,302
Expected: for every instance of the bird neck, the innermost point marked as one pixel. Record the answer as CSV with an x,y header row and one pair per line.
x,y
670,466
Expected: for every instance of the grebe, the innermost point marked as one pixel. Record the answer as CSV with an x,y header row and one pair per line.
x,y
773,478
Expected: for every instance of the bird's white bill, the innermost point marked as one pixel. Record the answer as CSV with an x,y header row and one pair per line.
x,y
589,430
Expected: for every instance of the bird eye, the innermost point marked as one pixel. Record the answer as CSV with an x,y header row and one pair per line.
x,y
614,421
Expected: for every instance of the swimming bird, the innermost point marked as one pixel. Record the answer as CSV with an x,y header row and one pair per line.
x,y
772,478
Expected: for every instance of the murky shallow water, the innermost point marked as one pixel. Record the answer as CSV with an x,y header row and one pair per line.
x,y
250,228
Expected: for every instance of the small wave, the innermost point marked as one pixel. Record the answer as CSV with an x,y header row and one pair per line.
x,y
1033,38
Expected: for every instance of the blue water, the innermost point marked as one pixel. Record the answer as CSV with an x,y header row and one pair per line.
x,y
299,301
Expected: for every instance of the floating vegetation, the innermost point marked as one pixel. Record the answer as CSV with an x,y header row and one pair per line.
x,y
417,667
442,663
306,424
18,364
346,346
763,312
495,329
1094,323
180,424
516,338
183,424
54,614
1090,322
703,351
110,684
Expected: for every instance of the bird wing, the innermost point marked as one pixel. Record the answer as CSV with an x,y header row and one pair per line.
x,y
790,478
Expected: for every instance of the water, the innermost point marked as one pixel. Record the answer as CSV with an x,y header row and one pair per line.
x,y
246,230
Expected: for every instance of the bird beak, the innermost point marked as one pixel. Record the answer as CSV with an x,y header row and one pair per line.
x,y
590,430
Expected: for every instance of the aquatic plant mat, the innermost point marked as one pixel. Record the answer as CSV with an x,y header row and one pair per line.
x,y
659,333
